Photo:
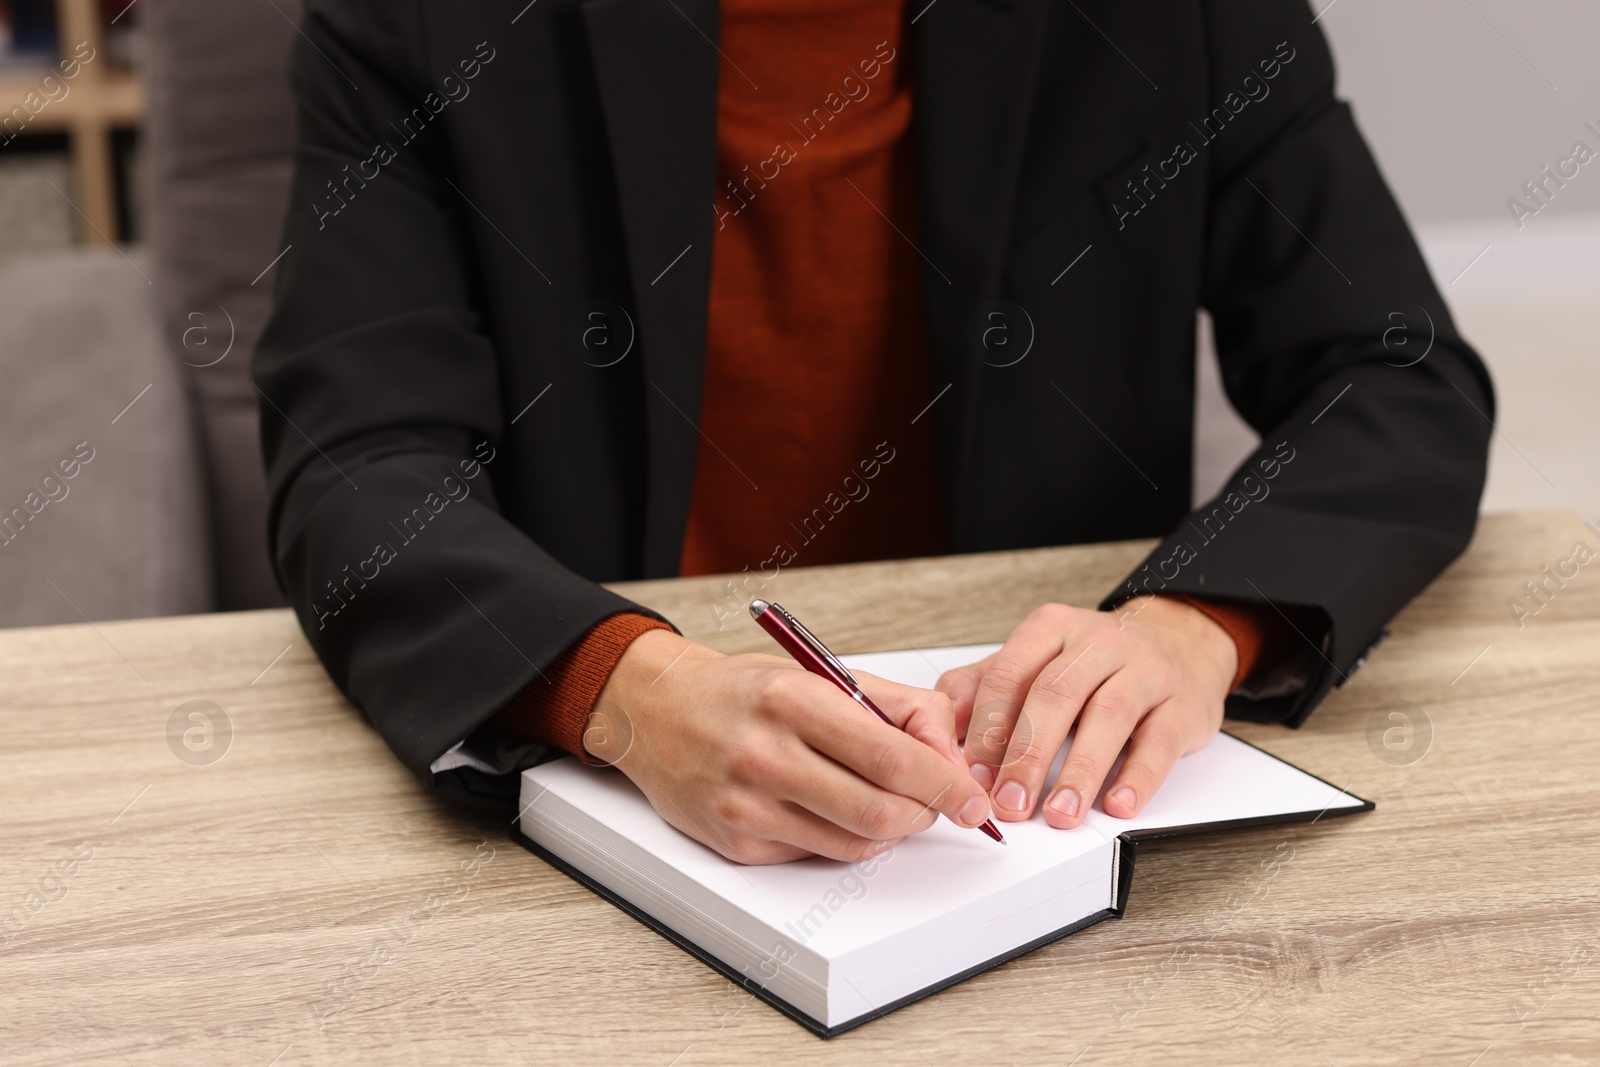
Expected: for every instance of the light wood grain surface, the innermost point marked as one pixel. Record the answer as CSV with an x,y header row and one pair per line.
x,y
301,900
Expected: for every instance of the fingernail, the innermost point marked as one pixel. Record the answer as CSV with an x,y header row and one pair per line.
x,y
881,847
983,775
974,811
1012,797
955,750
1124,796
1065,803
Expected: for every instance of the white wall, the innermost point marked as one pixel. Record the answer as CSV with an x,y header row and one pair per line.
x,y
1461,116
1454,98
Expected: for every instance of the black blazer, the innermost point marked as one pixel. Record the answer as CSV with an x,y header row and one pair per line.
x,y
474,180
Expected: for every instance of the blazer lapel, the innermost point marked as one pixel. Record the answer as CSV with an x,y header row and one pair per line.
x,y
656,64
976,65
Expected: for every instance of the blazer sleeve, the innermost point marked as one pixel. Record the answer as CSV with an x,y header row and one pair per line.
x,y
1336,347
380,409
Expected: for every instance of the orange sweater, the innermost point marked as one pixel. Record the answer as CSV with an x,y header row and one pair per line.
x,y
815,363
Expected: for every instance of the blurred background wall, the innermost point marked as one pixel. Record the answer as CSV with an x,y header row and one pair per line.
x,y
1463,101
141,194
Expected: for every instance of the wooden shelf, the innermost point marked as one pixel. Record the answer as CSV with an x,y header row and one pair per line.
x,y
102,98
116,101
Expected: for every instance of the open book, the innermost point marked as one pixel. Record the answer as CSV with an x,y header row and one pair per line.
x,y
834,944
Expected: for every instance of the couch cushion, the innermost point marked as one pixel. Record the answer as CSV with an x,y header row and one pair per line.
x,y
125,535
220,137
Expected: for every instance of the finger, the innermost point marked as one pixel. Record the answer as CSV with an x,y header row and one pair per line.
x,y
922,713
1054,701
853,804
895,761
1160,739
960,684
795,827
1107,721
1000,694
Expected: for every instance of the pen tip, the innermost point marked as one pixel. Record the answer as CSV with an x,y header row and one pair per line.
x,y
758,608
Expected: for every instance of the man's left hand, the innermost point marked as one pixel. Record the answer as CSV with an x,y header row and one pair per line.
x,y
1152,677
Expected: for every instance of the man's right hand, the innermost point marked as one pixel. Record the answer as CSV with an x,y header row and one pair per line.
x,y
766,763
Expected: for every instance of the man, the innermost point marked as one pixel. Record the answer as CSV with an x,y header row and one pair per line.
x,y
593,290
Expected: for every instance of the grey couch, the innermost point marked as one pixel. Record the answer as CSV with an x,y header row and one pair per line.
x,y
140,359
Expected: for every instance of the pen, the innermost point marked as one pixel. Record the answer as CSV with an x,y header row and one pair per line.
x,y
814,656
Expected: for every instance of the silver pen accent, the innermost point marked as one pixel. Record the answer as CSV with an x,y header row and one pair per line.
x,y
819,648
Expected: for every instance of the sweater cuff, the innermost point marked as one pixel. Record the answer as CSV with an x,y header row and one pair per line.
x,y
1247,624
554,708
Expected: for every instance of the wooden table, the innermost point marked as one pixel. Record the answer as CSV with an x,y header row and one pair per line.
x,y
302,900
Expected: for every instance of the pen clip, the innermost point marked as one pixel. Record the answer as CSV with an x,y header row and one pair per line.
x,y
815,644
